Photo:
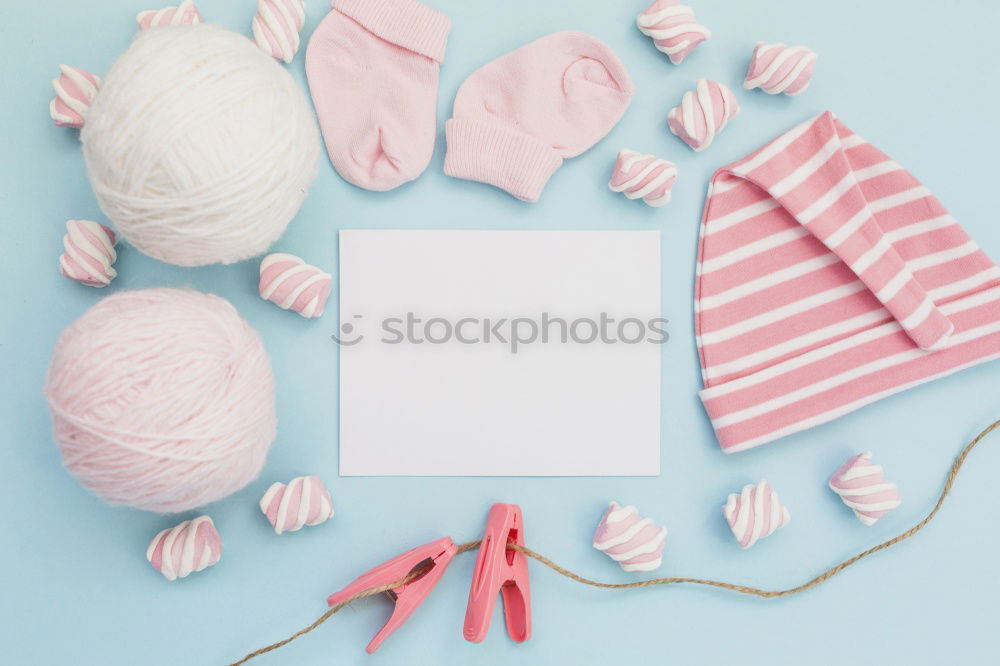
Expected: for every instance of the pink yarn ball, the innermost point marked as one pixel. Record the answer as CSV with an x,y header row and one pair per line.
x,y
162,399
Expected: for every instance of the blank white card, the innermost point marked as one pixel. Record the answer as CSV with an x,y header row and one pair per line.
x,y
500,353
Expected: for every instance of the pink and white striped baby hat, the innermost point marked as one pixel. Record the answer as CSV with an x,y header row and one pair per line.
x,y
829,277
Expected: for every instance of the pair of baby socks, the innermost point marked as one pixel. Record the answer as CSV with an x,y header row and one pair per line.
x,y
373,72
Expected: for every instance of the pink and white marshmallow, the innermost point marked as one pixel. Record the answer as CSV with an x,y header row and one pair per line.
x,y
755,513
180,551
635,543
703,113
292,284
776,69
183,14
673,28
89,253
75,90
304,501
862,487
276,27
645,177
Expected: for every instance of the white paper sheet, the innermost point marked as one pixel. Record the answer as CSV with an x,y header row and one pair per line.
x,y
484,407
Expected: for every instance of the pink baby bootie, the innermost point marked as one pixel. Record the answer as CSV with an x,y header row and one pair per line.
x,y
516,118
373,75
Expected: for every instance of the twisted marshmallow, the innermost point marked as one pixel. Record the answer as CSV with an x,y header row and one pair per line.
x,y
304,501
862,487
702,114
673,28
292,284
635,543
75,90
191,546
183,14
90,252
643,177
776,68
755,513
276,27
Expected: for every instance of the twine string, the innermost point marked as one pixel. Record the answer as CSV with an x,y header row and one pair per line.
x,y
655,582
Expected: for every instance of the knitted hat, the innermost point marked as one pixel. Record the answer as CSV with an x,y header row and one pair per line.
x,y
516,118
828,278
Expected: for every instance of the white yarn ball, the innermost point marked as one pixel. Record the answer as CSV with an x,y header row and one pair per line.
x,y
200,147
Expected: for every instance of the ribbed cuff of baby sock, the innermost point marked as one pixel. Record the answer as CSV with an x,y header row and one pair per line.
x,y
499,155
407,23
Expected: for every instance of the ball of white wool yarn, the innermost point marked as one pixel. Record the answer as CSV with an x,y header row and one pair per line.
x,y
200,147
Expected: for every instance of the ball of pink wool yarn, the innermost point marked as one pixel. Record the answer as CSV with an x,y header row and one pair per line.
x,y
162,399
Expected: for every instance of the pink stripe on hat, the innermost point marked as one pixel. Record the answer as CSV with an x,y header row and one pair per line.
x,y
829,277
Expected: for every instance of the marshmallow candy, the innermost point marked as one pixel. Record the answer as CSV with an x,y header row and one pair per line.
x,y
90,252
304,501
75,90
673,28
776,68
191,546
292,284
276,27
183,14
702,114
643,177
864,489
634,543
755,513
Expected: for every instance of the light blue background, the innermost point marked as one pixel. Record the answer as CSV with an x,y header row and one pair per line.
x,y
916,78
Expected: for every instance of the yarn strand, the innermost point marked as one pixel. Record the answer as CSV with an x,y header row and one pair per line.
x,y
655,582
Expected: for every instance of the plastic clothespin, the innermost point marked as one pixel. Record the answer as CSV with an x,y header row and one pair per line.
x,y
435,556
499,569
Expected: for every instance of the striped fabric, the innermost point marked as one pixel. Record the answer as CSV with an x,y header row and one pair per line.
x,y
829,277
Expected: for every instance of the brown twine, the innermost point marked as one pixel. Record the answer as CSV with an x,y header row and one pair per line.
x,y
741,589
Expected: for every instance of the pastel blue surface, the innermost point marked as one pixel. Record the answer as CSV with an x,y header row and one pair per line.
x,y
75,589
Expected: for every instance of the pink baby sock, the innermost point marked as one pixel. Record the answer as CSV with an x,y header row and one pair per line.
x,y
373,74
516,118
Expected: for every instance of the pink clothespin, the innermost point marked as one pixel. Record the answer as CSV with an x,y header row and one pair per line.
x,y
435,555
499,569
